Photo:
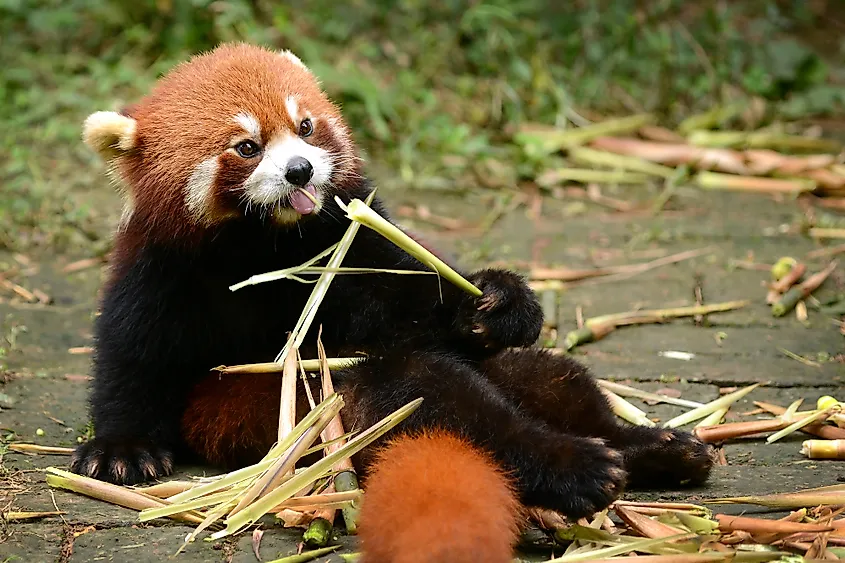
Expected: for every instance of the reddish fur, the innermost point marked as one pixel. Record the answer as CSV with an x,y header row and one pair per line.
x,y
189,117
229,418
436,498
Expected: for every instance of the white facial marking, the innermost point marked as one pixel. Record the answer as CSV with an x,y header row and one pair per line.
x,y
198,189
267,184
293,58
250,125
293,109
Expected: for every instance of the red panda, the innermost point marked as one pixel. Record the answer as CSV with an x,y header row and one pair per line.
x,y
230,167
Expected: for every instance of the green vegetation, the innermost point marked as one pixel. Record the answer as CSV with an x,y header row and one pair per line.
x,y
433,90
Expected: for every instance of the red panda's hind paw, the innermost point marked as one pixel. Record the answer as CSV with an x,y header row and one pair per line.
x,y
677,458
122,462
586,478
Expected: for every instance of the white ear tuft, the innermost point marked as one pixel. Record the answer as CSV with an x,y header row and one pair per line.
x,y
293,58
109,133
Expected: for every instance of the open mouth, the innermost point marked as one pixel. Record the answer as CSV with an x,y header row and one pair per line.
x,y
304,200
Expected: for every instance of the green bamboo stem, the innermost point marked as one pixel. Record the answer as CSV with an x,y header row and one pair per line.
x,y
362,214
589,175
671,313
616,161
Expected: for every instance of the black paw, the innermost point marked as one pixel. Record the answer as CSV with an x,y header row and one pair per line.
x,y
673,458
507,314
587,478
123,462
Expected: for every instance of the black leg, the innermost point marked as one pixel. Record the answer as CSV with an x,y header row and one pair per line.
x,y
561,392
576,475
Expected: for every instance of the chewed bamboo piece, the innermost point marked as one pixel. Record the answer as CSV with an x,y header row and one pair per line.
x,y
808,498
360,213
276,367
823,449
791,298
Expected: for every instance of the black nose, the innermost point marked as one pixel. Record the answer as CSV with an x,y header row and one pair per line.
x,y
299,171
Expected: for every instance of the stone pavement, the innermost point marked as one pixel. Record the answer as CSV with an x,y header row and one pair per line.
x,y
46,386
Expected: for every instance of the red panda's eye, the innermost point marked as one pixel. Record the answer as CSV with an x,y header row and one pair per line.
x,y
306,128
247,149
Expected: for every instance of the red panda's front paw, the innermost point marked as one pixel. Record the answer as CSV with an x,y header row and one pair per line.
x,y
122,462
507,313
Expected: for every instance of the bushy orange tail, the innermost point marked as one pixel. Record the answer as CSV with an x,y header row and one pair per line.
x,y
435,498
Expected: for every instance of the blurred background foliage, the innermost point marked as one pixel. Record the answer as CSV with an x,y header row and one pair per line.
x,y
433,90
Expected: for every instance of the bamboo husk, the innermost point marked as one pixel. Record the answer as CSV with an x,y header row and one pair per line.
x,y
729,523
620,549
644,525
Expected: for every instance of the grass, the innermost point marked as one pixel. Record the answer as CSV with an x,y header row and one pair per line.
x,y
433,91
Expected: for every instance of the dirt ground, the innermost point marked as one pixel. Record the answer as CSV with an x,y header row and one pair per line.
x,y
45,386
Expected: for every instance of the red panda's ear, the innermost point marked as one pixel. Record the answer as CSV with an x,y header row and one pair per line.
x,y
109,133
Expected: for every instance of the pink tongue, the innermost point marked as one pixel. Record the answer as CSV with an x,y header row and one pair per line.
x,y
300,202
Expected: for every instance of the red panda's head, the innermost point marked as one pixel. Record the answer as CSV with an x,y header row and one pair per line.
x,y
237,131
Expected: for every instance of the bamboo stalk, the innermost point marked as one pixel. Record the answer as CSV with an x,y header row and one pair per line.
x,y
762,139
547,142
276,367
676,154
671,313
614,161
713,434
713,419
589,175
831,495
619,549
714,117
360,213
36,449
309,311
817,232
114,494
568,275
718,181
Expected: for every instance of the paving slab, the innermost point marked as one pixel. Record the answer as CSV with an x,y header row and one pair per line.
x,y
45,387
